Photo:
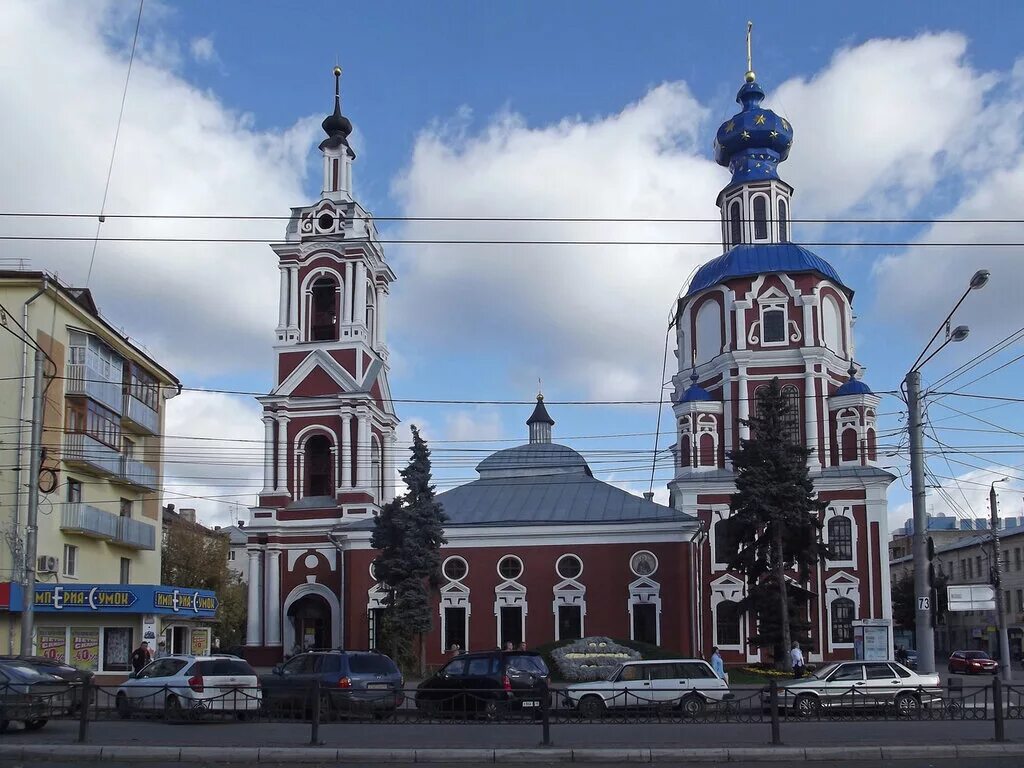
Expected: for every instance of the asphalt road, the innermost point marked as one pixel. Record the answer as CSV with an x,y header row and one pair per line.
x,y
425,736
996,762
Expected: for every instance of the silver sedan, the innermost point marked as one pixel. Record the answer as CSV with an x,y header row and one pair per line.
x,y
860,684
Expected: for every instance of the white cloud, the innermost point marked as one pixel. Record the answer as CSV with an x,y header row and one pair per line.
x,y
967,496
472,425
206,309
203,50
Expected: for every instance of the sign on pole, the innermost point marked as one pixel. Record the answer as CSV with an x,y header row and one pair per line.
x,y
971,597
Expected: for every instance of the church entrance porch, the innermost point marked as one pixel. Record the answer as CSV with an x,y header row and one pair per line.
x,y
310,617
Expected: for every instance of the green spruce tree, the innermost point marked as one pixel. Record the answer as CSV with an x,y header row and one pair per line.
x,y
408,534
776,520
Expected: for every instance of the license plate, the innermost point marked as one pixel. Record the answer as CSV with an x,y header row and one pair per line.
x,y
531,703
378,685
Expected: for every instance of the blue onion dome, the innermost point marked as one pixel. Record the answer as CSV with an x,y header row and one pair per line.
x,y
754,141
695,393
853,385
748,259
336,125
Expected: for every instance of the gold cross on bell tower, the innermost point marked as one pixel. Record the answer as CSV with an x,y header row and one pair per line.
x,y
749,77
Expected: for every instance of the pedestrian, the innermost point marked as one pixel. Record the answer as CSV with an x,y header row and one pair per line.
x,y
141,657
509,646
796,656
717,664
161,650
901,655
522,646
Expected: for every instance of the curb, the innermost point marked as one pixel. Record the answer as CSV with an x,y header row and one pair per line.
x,y
134,754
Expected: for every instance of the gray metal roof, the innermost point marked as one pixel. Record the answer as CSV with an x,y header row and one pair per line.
x,y
531,460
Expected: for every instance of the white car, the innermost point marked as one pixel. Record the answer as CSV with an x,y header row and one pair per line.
x,y
686,684
860,684
188,685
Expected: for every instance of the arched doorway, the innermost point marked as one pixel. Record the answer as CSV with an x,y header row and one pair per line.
x,y
310,619
318,466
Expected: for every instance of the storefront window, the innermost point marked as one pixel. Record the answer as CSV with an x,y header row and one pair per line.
x,y
85,648
117,649
52,642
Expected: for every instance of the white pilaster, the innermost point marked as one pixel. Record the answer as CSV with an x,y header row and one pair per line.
x,y
350,277
268,454
293,308
388,467
359,312
282,454
743,403
727,420
254,629
273,592
380,338
363,450
334,463
282,315
346,451
811,416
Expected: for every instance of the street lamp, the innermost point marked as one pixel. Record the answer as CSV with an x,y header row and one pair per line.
x,y
997,580
924,632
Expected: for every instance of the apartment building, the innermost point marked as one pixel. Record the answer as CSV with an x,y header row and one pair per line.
x,y
98,591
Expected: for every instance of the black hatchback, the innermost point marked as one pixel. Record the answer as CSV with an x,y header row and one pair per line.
x,y
488,683
74,677
348,681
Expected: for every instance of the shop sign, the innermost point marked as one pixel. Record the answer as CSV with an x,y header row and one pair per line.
x,y
200,642
85,647
52,642
59,597
185,601
147,599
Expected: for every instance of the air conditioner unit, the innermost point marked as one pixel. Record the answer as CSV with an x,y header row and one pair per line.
x,y
47,564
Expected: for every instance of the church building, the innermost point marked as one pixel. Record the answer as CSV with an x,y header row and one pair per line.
x,y
539,549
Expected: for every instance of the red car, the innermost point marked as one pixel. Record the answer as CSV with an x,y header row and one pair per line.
x,y
972,663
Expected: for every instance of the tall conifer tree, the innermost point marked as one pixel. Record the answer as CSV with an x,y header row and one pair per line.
x,y
776,519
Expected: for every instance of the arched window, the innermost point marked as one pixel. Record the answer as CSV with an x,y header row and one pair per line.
x,y
849,445
840,538
726,541
872,445
709,331
684,450
317,461
783,222
371,315
707,450
323,320
735,224
727,622
842,620
760,217
791,421
832,328
376,475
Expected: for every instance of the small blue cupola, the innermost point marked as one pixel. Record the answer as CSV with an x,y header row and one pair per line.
x,y
695,393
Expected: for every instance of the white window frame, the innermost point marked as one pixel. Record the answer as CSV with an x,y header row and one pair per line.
x,y
645,591
558,571
727,588
767,218
454,594
846,585
72,573
502,559
450,559
848,420
569,592
847,512
718,513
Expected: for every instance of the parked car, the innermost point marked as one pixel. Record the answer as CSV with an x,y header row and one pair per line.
x,y
183,685
911,658
972,663
487,683
29,696
684,684
349,681
75,677
860,684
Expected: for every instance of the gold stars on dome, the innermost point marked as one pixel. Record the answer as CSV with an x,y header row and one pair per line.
x,y
759,120
745,134
785,125
730,126
774,134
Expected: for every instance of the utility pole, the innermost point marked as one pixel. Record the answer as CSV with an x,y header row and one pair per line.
x,y
997,578
28,598
924,633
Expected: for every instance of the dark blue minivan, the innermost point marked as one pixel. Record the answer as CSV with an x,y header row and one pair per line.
x,y
349,681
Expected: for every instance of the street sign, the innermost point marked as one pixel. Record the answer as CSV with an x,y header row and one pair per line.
x,y
924,604
971,597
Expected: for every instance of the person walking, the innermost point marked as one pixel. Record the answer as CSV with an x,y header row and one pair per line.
x,y
717,664
140,657
796,657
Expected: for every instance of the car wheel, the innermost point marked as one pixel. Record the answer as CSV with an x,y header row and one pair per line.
x,y
592,707
693,706
35,725
124,709
807,705
907,704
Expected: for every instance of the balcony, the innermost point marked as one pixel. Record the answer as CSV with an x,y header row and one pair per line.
x,y
137,473
89,453
83,379
139,415
88,521
135,534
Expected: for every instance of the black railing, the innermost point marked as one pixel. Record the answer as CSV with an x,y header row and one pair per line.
x,y
319,704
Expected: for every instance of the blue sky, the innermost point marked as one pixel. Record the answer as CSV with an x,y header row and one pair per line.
x,y
901,110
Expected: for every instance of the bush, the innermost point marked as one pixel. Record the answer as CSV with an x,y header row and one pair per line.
x,y
592,658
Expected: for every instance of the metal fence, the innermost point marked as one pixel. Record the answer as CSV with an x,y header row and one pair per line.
x,y
316,705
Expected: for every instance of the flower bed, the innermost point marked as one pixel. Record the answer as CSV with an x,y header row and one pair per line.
x,y
592,658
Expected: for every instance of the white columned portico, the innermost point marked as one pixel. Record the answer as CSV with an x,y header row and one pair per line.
x,y
363,448
346,451
272,628
350,276
359,317
253,628
268,455
282,454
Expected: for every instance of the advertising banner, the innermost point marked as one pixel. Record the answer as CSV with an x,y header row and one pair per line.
x,y
85,648
52,642
200,642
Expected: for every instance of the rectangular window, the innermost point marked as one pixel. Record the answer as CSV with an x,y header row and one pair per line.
x,y
1009,606
143,387
1016,557
977,566
70,560
74,491
87,417
126,570
1020,600
117,649
963,569
126,508
774,330
231,555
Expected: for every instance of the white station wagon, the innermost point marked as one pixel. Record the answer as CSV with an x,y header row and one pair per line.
x,y
183,685
684,684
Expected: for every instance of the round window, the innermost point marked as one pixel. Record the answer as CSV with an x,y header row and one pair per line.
x,y
510,567
643,563
455,568
325,221
569,566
